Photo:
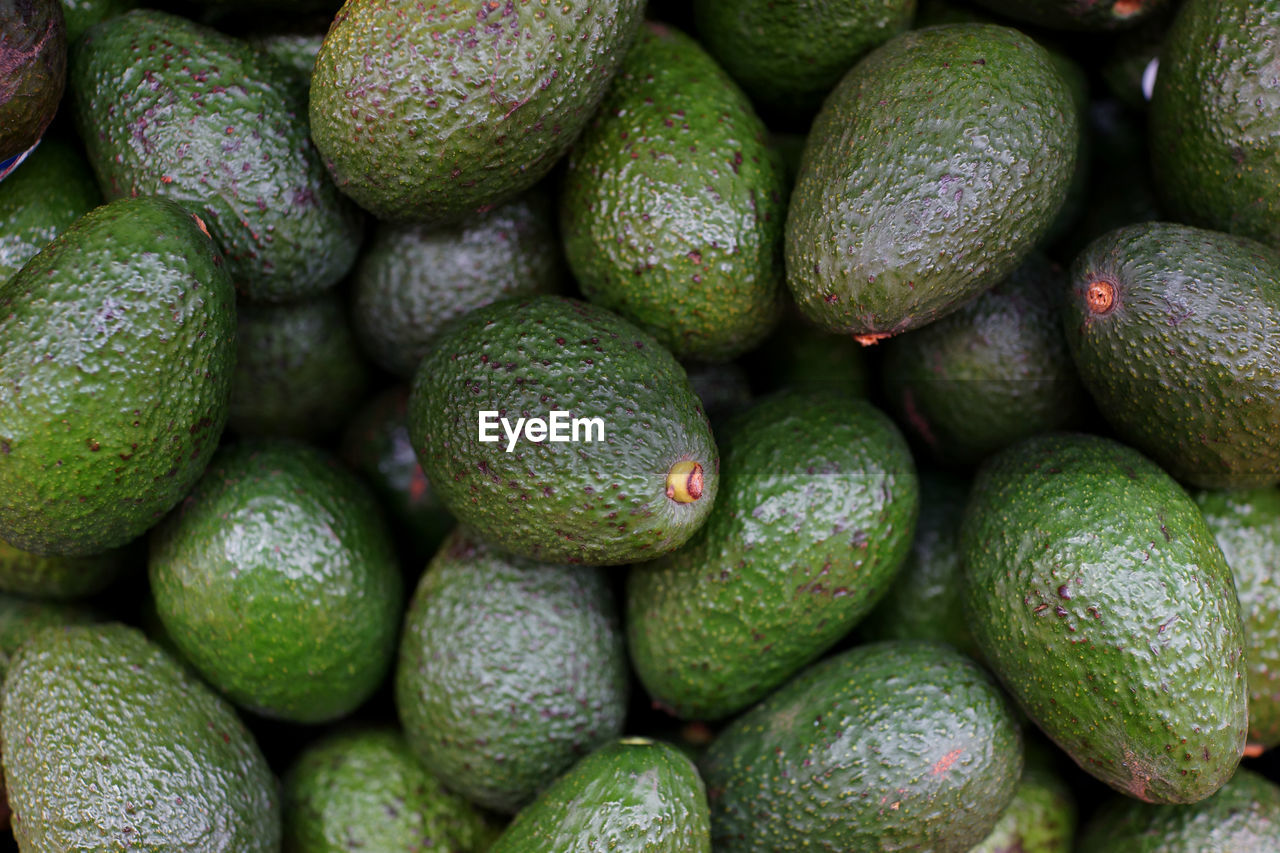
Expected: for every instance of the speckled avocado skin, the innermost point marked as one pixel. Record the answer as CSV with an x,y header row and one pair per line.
x,y
429,113
42,199
1040,819
277,580
22,618
631,796
24,573
1185,362
902,745
602,503
171,767
1243,817
672,205
170,108
363,790
33,56
934,167
1076,15
509,671
117,343
1098,596
815,515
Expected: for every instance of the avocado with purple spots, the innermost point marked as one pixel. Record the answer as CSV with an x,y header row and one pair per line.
x,y
33,56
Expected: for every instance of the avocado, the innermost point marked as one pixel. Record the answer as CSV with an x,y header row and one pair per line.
x,y
1215,118
361,789
1175,331
1040,819
80,15
413,280
1126,68
38,202
695,262
1243,817
724,389
631,796
294,50
639,480
33,55
990,374
1246,525
299,370
430,115
509,671
816,512
277,580
117,343
1097,594
917,190
902,745
110,745
24,573
216,129
1094,15
22,618
803,357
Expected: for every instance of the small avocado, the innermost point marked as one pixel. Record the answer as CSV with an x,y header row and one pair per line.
x,y
33,56
24,573
1097,594
38,202
1092,15
509,671
1040,819
631,796
801,356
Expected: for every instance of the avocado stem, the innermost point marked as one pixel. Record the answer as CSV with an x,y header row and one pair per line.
x,y
869,339
684,482
1100,297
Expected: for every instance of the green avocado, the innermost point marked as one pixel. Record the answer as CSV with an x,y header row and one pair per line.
x,y
1097,594
509,671
117,344
38,202
22,618
83,14
430,114
39,576
803,357
1040,819
816,512
33,72
109,744
1074,14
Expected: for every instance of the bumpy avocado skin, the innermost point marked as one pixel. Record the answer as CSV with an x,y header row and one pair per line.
x,y
277,580
631,796
362,789
1175,331
24,573
601,503
815,515
696,261
1243,817
413,280
117,344
1246,525
22,618
1097,594
33,60
1215,118
901,745
509,671
42,199
1092,15
427,115
170,766
216,127
1040,819
898,216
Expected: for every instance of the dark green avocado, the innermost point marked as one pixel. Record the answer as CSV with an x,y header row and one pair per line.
x,y
83,14
38,202
22,618
24,573
1075,14
1040,819
33,72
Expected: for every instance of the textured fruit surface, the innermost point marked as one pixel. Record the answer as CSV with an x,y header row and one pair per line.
x,y
1040,819
40,200
24,573
33,57
22,618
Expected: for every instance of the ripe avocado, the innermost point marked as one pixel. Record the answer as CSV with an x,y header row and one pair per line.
x,y
117,343
1076,15
509,671
38,202
639,493
1097,594
427,115
697,262
932,170
24,573
902,745
33,72
815,515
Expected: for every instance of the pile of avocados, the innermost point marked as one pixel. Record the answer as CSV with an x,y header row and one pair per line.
x,y
569,426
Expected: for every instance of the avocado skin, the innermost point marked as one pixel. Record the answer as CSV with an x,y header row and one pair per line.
x,y
540,652
24,573
427,116
1186,364
33,54
80,15
1098,596
361,789
1214,124
1243,817
699,267
815,515
1040,819
412,280
596,503
1092,15
990,374
196,782
103,434
277,580
880,236
216,129
630,796
1246,525
22,618
902,745
42,199
800,356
